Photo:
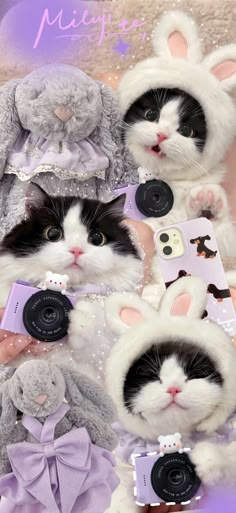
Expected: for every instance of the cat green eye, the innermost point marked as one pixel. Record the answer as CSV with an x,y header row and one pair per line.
x,y
186,131
53,233
97,239
151,115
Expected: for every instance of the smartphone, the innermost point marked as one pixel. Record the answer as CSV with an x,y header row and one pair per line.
x,y
190,249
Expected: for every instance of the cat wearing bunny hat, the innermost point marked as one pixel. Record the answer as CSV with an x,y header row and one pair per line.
x,y
179,122
171,370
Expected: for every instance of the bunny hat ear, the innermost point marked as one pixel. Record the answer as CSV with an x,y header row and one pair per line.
x,y
10,127
125,310
222,64
80,387
187,297
176,36
8,413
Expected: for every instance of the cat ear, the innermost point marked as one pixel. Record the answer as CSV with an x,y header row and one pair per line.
x,y
185,297
116,206
222,64
125,310
176,36
35,198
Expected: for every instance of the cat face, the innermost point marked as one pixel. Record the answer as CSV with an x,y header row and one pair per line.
x,y
173,385
84,239
166,131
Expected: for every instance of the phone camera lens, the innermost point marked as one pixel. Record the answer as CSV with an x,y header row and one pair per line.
x,y
164,237
167,250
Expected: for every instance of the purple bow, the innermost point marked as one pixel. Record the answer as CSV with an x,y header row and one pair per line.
x,y
36,467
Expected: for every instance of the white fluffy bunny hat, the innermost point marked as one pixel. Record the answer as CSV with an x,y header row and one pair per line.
x,y
139,327
179,64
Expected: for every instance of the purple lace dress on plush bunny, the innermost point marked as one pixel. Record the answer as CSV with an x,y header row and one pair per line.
x,y
66,475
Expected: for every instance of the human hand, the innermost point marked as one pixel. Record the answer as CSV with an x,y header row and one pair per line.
x,y
146,239
11,344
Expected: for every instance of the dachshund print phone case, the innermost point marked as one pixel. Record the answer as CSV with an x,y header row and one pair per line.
x,y
190,248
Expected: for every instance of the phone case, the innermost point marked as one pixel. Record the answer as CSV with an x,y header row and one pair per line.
x,y
202,259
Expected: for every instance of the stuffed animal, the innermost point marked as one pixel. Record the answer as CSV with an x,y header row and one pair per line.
x,y
170,444
174,106
61,128
169,370
37,388
56,444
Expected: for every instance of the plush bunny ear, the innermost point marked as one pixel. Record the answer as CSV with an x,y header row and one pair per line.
x,y
222,64
8,413
10,127
186,297
176,36
35,198
125,310
80,387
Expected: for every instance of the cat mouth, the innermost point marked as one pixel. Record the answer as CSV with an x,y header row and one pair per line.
x,y
173,403
74,266
156,150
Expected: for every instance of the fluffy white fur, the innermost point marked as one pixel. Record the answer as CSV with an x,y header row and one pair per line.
x,y
98,266
208,406
208,80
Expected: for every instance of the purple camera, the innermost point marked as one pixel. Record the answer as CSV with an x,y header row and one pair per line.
x,y
43,314
151,199
170,479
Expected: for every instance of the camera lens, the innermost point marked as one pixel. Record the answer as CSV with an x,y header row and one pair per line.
x,y
154,198
164,237
167,250
45,316
174,479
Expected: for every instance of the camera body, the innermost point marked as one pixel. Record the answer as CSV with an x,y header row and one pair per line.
x,y
151,199
169,479
43,314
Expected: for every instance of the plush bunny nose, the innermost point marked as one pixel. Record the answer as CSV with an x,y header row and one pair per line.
x,y
40,399
63,113
76,252
161,137
174,391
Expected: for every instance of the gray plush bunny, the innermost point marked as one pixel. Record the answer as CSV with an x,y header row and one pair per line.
x,y
63,129
38,388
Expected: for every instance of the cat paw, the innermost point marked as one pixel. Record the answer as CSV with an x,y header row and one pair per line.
x,y
207,459
81,320
208,201
121,503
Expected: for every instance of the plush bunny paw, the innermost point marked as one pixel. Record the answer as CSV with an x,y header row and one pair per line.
x,y
207,201
208,461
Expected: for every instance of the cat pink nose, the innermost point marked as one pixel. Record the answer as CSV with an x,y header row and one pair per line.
x,y
174,391
161,137
76,252
40,399
63,113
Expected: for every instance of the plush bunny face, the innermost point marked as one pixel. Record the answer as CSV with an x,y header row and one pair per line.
x,y
37,388
59,103
168,370
176,104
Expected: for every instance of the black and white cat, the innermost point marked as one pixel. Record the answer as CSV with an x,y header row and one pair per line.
x,y
179,122
167,373
85,239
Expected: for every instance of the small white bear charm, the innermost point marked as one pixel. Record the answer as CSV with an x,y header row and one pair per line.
x,y
170,444
56,282
145,175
